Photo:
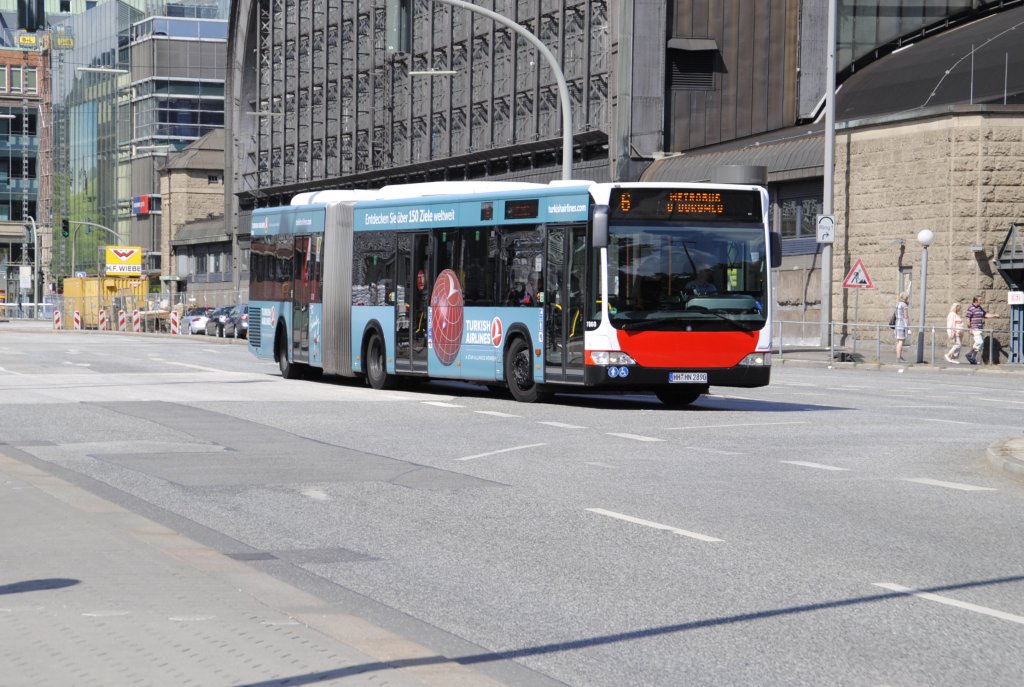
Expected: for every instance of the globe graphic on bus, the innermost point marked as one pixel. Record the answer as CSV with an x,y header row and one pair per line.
x,y
446,317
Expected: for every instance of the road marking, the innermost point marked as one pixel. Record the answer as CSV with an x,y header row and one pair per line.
x,y
495,413
316,494
441,404
998,400
655,525
634,437
917,407
195,367
951,422
705,449
600,465
743,424
818,466
503,450
1002,615
948,485
561,425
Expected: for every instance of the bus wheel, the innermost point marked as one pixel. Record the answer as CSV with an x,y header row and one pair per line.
x,y
377,364
519,373
288,370
681,397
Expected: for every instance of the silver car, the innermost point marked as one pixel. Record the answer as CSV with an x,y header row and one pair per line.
x,y
195,319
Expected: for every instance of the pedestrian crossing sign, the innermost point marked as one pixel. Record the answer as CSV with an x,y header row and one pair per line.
x,y
858,277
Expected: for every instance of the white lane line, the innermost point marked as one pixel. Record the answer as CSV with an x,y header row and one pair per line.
x,y
743,424
495,413
950,422
441,404
655,525
705,449
194,367
503,450
998,400
916,407
561,425
948,485
818,466
633,437
600,465
316,494
1002,615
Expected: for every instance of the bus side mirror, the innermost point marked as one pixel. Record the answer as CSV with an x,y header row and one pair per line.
x,y
599,238
775,248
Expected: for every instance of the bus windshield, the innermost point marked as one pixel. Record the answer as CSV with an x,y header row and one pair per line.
x,y
687,277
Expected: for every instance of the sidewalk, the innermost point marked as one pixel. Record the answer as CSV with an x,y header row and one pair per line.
x,y
92,594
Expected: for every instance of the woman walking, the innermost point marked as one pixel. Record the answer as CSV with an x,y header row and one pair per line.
x,y
955,334
902,324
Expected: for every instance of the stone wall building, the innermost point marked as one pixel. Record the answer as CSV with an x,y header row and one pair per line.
x,y
957,171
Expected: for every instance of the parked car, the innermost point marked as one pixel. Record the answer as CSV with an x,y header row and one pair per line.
x,y
195,319
238,322
217,324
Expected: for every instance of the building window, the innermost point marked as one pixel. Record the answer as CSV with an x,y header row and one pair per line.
x,y
65,6
213,178
15,81
31,80
3,79
798,217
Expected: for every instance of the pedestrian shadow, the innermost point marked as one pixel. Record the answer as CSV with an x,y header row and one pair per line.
x,y
37,585
542,649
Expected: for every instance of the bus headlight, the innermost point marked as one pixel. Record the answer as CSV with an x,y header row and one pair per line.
x,y
610,358
757,360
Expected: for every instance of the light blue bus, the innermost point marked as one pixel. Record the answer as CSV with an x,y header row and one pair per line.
x,y
531,288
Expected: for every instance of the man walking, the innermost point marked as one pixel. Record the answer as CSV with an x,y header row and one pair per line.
x,y
976,316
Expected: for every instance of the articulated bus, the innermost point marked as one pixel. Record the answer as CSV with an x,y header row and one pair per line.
x,y
529,288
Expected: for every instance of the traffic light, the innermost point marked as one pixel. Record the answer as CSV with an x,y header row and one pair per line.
x,y
65,228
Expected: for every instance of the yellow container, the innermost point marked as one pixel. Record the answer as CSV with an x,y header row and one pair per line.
x,y
88,295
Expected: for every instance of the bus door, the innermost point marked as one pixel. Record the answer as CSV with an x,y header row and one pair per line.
x,y
302,265
564,303
411,301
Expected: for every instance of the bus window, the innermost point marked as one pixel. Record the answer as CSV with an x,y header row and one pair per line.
x,y
478,266
373,268
521,260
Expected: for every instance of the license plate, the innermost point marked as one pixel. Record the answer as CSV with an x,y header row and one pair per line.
x,y
688,377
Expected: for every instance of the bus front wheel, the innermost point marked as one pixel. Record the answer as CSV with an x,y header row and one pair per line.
x,y
679,397
377,364
519,373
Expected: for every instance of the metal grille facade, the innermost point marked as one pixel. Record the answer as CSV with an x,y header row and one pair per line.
x,y
325,105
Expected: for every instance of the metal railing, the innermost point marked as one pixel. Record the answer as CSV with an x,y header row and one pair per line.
x,y
876,342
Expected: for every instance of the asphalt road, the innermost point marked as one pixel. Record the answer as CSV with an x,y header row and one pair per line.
x,y
839,527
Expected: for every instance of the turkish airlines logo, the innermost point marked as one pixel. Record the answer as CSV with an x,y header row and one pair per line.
x,y
496,331
123,254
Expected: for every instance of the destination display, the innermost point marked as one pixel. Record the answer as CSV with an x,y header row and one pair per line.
x,y
675,204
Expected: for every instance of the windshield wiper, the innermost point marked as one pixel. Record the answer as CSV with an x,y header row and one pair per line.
x,y
717,313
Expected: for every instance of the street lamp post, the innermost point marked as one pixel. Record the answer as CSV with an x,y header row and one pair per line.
x,y
36,295
925,238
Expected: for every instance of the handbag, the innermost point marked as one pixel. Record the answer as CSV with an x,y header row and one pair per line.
x,y
892,320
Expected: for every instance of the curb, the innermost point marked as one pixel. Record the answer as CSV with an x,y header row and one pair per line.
x,y
1008,456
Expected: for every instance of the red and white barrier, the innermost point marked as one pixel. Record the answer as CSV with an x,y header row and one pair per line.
x,y
174,322
136,321
122,321
56,320
102,326
78,320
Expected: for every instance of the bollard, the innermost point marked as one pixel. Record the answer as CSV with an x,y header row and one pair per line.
x,y
56,320
174,322
102,323
78,320
121,321
136,321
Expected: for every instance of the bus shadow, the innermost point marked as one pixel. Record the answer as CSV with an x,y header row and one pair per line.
x,y
709,403
632,635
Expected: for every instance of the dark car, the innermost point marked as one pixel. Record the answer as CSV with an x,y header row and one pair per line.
x,y
238,322
218,325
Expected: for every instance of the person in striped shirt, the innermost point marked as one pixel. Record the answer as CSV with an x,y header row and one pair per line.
x,y
976,316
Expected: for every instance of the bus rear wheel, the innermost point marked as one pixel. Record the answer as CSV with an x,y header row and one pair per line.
x,y
377,364
679,397
519,373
